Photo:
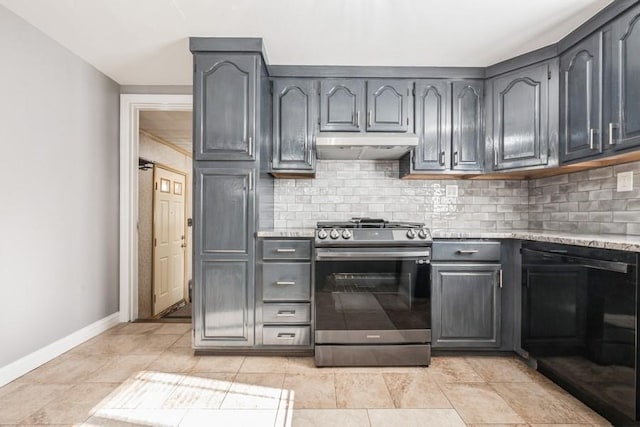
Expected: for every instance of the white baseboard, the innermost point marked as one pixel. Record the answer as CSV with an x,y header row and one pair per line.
x,y
31,361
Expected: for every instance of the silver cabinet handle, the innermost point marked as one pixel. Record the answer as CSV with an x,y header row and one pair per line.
x,y
500,277
495,156
467,251
285,250
592,134
250,146
373,336
286,335
286,313
442,154
369,118
612,126
358,118
285,283
455,158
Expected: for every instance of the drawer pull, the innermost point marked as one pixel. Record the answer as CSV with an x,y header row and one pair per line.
x,y
285,250
286,313
286,335
467,251
285,283
373,336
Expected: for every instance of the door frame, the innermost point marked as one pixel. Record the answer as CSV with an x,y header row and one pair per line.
x,y
130,107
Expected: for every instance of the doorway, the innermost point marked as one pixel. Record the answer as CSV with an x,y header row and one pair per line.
x,y
133,158
164,206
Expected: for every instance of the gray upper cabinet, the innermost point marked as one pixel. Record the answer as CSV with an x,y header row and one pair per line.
x,y
580,103
388,105
294,124
225,106
624,124
466,304
467,118
432,115
341,105
521,118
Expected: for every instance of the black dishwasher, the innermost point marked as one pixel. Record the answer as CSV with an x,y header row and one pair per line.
x,y
579,322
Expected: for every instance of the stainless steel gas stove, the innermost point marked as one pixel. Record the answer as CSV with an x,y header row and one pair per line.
x,y
372,293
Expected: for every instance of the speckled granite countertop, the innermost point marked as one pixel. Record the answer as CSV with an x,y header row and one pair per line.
x,y
605,241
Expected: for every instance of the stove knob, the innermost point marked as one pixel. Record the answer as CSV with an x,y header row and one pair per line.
x,y
411,234
334,234
346,234
322,234
422,233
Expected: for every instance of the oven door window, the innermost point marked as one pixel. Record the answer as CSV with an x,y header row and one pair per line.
x,y
372,295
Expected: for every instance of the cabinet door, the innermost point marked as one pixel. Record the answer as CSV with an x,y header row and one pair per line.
x,y
341,105
388,105
225,315
294,121
467,125
521,118
465,305
225,106
580,110
223,256
625,125
432,114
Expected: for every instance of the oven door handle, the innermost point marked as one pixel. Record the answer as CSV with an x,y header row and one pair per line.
x,y
355,255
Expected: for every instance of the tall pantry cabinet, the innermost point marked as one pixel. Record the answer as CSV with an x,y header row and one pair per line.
x,y
231,109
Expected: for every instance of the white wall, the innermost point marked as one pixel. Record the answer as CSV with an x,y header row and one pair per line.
x,y
59,181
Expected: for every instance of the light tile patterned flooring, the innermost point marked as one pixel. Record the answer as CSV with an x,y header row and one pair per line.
x,y
146,374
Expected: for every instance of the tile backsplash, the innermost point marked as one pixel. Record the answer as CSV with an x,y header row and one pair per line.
x,y
345,189
584,202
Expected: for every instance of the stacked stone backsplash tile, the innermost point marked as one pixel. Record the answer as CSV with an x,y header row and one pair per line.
x,y
586,202
345,189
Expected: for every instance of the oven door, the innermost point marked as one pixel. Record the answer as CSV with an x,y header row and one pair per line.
x,y
373,295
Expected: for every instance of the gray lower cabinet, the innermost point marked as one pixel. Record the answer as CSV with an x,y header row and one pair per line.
x,y
224,292
284,312
624,123
466,305
294,124
521,107
388,104
467,141
224,88
341,105
580,101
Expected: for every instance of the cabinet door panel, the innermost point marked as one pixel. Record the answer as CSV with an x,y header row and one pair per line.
x,y
294,117
225,207
226,302
521,111
388,105
580,100
431,118
627,67
224,106
341,105
467,125
466,305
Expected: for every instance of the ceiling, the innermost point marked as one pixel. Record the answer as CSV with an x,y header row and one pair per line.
x,y
145,42
173,127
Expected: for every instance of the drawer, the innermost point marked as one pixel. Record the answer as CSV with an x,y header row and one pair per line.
x,y
286,281
466,251
286,249
286,313
286,335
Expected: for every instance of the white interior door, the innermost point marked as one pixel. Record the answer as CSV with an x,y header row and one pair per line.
x,y
169,244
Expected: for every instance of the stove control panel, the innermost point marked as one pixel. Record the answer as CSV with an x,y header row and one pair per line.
x,y
373,235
